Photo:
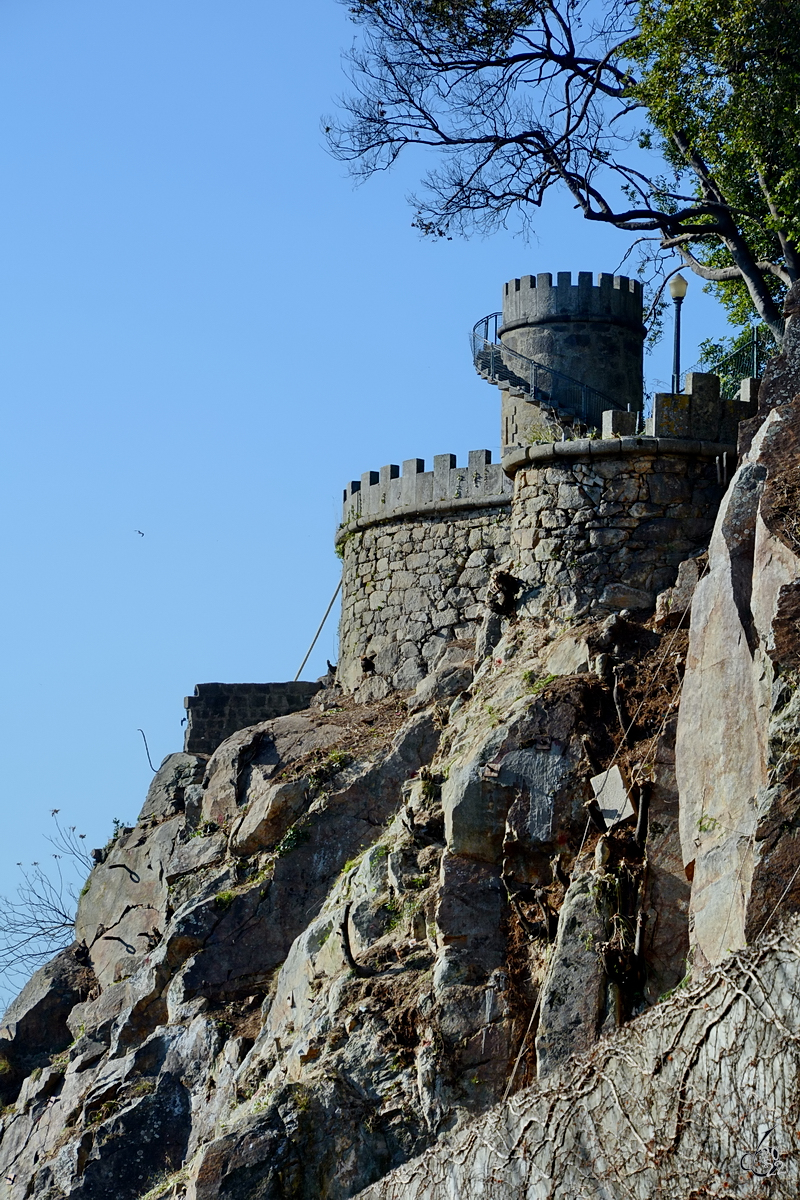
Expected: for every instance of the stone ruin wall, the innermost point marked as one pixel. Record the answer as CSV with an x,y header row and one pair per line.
x,y
605,523
216,710
417,549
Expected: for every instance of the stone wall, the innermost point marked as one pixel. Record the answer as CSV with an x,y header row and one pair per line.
x,y
417,549
389,494
411,589
216,710
605,523
591,333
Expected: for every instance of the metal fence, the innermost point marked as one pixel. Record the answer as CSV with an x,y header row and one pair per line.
x,y
748,361
543,384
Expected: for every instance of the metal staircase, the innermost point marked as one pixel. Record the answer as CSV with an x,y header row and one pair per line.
x,y
569,399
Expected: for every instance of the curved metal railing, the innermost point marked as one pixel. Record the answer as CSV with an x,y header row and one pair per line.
x,y
545,386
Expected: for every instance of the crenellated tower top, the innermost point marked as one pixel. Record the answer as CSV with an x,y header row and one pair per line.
x,y
614,300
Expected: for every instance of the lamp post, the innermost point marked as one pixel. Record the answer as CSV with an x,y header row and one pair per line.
x,y
677,289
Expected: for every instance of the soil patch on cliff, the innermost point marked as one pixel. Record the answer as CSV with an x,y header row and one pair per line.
x,y
366,730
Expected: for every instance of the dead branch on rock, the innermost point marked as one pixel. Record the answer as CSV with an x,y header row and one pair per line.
x,y
696,1097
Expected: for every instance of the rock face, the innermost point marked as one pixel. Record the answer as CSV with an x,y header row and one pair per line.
x,y
439,943
321,948
736,761
696,1098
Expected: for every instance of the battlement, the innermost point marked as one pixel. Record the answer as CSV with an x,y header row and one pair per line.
x,y
535,299
389,493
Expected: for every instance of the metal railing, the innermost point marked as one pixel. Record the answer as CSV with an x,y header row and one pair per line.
x,y
543,384
748,362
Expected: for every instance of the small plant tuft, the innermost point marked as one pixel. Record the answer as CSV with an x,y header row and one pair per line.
x,y
535,685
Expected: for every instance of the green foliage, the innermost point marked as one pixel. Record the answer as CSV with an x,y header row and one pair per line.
x,y
118,827
401,910
707,824
102,1113
143,1087
223,900
60,1062
329,766
534,684
541,431
295,836
205,829
721,77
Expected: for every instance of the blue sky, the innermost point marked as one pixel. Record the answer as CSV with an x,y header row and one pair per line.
x,y
205,331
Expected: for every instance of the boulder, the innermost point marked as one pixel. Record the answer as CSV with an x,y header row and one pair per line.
x,y
737,821
573,997
269,814
166,794
568,655
34,1026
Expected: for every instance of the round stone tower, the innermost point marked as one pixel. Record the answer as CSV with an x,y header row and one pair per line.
x,y
593,334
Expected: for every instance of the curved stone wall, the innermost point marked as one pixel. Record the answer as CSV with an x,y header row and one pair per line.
x,y
417,549
592,333
604,524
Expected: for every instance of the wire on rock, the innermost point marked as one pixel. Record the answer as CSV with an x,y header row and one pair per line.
x,y
319,631
510,1083
147,751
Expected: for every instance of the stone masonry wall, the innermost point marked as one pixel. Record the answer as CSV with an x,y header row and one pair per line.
x,y
216,710
605,523
417,548
413,587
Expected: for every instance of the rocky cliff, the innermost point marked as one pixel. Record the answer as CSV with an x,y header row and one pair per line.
x,y
440,944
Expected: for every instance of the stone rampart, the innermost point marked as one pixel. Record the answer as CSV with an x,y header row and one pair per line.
x,y
216,710
417,549
591,333
699,411
605,523
389,494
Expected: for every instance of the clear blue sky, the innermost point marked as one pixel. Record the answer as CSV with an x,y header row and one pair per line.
x,y
205,331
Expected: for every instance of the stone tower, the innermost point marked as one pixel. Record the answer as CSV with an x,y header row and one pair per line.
x,y
592,334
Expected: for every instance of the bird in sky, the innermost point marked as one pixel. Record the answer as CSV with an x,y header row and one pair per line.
x,y
139,532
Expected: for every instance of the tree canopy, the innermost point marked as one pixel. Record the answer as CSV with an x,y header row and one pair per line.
x,y
676,121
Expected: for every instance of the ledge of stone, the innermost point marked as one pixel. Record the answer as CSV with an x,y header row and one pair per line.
x,y
620,447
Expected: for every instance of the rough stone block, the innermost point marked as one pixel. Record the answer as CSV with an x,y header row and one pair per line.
x,y
567,656
612,796
618,595
618,423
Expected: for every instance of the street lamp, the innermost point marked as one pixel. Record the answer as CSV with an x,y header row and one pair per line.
x,y
677,289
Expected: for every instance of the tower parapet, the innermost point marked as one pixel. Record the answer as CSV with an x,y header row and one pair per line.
x,y
592,333
387,494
